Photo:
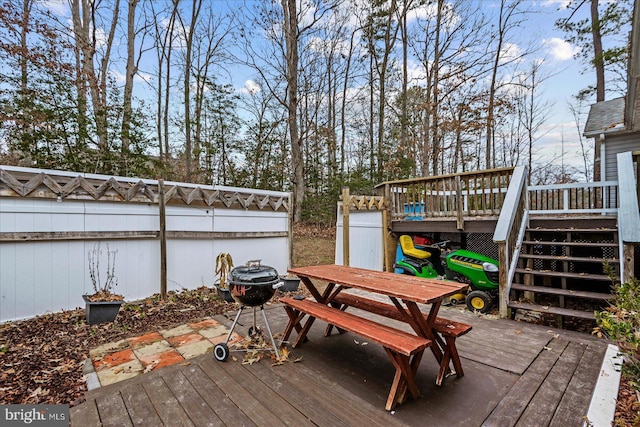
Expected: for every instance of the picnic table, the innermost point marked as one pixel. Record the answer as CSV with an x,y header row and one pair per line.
x,y
405,349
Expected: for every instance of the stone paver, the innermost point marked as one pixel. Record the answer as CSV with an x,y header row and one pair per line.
x,y
186,339
155,348
195,349
127,358
174,332
108,348
156,361
120,372
215,331
145,339
113,359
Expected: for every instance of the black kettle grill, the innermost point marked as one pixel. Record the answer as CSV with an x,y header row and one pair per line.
x,y
251,285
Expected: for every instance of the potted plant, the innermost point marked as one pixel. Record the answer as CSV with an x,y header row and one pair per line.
x,y
224,264
103,305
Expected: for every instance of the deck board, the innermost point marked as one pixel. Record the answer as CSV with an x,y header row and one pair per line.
x,y
529,372
510,409
303,392
574,396
141,410
166,404
257,390
541,408
253,408
226,410
113,411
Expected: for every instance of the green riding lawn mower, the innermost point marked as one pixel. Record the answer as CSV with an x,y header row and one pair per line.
x,y
433,260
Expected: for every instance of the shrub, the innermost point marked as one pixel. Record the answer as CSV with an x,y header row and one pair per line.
x,y
621,323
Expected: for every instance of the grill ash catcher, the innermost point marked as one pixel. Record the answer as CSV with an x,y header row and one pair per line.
x,y
251,286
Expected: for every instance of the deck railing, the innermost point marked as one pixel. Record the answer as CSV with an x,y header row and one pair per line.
x,y
628,215
575,198
469,194
509,231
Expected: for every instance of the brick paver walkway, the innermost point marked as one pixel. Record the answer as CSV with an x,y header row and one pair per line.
x,y
129,357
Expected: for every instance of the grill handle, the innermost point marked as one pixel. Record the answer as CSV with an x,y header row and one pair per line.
x,y
277,285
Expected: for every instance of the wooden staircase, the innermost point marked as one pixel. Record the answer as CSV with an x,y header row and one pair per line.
x,y
560,269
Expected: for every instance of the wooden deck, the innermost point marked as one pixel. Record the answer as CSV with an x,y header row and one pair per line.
x,y
515,374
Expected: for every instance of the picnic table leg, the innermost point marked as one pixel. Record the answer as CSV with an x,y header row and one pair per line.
x,y
295,317
424,326
302,334
330,327
451,345
404,379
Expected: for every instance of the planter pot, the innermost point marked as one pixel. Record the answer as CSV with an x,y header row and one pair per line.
x,y
225,294
101,311
290,284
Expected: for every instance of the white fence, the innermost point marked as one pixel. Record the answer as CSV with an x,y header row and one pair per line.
x,y
51,273
366,239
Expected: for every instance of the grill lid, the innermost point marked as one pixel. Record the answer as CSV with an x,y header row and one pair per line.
x,y
254,274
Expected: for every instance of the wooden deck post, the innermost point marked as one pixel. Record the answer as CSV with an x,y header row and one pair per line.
x,y
346,203
387,239
459,205
163,240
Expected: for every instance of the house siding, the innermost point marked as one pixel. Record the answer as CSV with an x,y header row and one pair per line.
x,y
615,145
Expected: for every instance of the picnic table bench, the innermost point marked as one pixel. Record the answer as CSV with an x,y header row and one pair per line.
x,y
405,349
446,331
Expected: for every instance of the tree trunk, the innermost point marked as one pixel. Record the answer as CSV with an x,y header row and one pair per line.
x,y
130,72
598,59
289,8
598,62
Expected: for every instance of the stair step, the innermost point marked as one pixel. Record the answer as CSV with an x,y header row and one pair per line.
x,y
552,310
570,258
573,244
585,276
558,291
574,230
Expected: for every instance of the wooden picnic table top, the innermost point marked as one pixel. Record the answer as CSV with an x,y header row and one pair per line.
x,y
405,287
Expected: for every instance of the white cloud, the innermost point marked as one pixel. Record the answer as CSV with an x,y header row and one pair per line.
x,y
138,78
510,52
560,4
250,87
560,49
57,7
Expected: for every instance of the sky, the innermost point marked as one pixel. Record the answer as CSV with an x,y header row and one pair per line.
x,y
558,139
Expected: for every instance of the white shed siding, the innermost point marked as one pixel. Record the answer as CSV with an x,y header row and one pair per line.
x,y
37,277
365,239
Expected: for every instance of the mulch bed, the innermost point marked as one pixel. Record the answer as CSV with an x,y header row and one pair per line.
x,y
41,359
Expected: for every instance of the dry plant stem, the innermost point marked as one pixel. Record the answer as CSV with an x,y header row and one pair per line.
x,y
94,269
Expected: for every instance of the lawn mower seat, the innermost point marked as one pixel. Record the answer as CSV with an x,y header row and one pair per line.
x,y
406,243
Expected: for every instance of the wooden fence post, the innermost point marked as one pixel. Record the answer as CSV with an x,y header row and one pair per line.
x,y
163,240
290,231
346,203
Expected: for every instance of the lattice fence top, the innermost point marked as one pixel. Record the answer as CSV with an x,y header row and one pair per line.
x,y
371,203
35,183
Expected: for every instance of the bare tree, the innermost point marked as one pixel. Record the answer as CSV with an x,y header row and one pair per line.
x,y
86,20
509,18
130,72
188,32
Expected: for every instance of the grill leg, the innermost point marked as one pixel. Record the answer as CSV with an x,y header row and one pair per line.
x,y
233,325
273,342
